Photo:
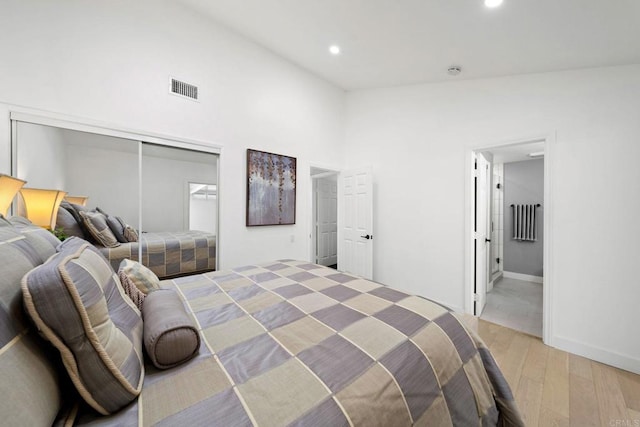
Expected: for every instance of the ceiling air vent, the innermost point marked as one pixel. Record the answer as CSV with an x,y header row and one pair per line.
x,y
181,88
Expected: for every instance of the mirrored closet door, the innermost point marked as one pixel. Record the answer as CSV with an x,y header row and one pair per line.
x,y
162,191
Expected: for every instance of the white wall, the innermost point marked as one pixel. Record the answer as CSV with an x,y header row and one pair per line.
x,y
417,138
41,159
111,61
105,169
202,214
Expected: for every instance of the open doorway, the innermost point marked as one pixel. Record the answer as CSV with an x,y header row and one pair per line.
x,y
509,246
324,221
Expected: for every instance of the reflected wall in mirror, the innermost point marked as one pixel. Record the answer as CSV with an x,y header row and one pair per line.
x,y
104,168
203,206
166,174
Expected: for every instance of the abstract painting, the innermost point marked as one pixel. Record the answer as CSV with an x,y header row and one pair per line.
x,y
271,189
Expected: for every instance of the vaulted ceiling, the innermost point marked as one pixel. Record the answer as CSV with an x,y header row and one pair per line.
x,y
399,42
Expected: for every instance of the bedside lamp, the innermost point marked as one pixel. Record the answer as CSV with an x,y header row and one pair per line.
x,y
77,200
41,206
9,187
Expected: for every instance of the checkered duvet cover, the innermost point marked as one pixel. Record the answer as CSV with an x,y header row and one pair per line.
x,y
295,344
168,254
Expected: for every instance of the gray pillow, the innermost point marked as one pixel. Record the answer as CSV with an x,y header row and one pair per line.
x,y
76,302
117,226
96,223
41,240
30,385
68,223
75,210
170,335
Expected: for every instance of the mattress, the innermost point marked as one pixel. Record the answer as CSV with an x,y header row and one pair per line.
x,y
168,254
290,343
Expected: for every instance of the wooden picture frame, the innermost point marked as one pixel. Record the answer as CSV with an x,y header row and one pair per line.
x,y
271,189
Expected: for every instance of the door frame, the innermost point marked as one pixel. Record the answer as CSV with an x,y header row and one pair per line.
x,y
547,287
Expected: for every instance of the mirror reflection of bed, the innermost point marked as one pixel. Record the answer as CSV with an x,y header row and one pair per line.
x,y
168,194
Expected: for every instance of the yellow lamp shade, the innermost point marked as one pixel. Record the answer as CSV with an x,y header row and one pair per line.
x,y
41,206
9,187
77,200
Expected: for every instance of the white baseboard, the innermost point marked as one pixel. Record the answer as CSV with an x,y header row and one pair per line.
x,y
496,276
598,354
518,276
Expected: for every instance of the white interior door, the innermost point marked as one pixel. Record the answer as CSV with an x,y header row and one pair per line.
x,y
327,221
481,232
355,234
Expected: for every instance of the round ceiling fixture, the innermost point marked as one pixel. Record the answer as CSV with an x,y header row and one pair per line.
x,y
492,3
454,70
334,49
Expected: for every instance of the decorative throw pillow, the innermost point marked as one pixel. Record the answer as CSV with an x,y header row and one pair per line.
x,y
130,234
76,302
131,290
140,276
30,384
75,210
170,335
41,240
96,223
101,211
117,226
68,223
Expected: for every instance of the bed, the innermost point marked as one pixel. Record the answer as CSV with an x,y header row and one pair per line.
x,y
168,254
298,344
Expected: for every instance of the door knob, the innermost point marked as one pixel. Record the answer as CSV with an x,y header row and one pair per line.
x,y
487,240
367,237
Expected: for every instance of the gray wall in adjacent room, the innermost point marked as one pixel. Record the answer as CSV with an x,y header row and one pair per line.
x,y
523,184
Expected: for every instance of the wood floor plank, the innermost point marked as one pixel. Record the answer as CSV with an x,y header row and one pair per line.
x,y
535,365
555,394
555,388
611,403
487,331
500,346
529,398
630,386
517,353
581,366
549,418
583,403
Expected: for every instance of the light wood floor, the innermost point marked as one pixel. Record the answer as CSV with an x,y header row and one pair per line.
x,y
556,388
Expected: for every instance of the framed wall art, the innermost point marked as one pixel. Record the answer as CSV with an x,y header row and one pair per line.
x,y
271,189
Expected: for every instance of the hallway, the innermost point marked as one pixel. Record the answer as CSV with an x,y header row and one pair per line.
x,y
516,304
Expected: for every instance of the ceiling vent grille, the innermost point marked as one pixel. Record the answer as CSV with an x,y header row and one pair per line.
x,y
181,88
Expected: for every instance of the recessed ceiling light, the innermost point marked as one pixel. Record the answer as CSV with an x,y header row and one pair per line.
x,y
492,3
334,49
454,70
